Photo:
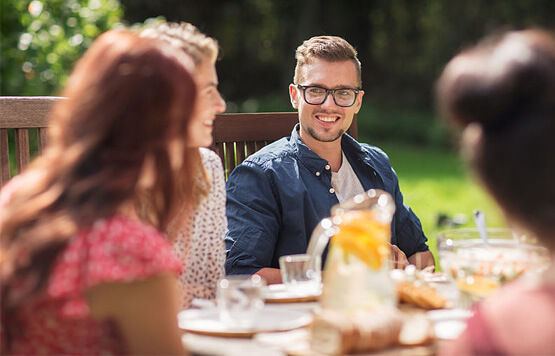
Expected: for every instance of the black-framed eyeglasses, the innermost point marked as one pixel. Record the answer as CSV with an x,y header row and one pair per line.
x,y
315,95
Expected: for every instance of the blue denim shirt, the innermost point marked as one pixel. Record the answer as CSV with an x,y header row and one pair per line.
x,y
278,195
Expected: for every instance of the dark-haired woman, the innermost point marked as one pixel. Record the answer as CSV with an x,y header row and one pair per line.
x,y
502,93
81,274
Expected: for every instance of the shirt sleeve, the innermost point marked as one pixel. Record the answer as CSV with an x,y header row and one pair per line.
x,y
408,229
253,220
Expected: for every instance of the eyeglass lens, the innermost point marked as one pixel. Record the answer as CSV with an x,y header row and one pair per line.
x,y
317,96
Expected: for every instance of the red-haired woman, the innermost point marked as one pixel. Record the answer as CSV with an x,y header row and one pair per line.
x,y
81,274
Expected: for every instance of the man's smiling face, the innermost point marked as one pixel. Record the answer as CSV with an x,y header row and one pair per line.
x,y
326,122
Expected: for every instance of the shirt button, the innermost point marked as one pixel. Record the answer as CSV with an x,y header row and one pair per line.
x,y
327,167
317,174
332,190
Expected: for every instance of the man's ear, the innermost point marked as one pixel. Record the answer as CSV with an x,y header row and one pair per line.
x,y
294,96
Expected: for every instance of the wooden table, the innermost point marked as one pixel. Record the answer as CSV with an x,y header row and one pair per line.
x,y
293,342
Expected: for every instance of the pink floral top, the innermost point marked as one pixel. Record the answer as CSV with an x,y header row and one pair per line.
x,y
59,320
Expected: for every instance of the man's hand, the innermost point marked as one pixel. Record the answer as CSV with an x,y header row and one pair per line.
x,y
422,259
270,275
398,257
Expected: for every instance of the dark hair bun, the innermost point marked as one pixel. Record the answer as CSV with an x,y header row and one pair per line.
x,y
500,85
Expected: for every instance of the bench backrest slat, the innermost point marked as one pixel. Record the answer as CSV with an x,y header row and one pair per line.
x,y
4,157
22,113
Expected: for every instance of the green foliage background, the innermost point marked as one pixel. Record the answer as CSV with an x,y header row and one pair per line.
x,y
436,181
402,44
41,40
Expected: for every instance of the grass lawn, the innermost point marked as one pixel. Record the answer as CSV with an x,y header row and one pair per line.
x,y
436,181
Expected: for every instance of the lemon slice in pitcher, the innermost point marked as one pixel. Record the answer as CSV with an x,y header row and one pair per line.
x,y
364,237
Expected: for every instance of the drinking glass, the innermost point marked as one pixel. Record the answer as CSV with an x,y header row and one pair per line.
x,y
301,274
478,267
240,300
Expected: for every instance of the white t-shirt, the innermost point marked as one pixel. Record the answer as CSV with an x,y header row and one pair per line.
x,y
345,182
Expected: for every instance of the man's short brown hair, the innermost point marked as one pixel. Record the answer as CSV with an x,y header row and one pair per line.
x,y
327,48
187,37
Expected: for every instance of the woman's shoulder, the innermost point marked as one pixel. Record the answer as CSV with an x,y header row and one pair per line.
x,y
526,294
521,317
114,249
213,165
119,228
209,157
126,236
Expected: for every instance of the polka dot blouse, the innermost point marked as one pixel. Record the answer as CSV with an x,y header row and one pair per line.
x,y
200,243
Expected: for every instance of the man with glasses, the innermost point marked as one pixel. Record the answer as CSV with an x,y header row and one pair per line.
x,y
277,196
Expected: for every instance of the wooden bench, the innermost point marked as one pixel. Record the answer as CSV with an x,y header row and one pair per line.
x,y
236,136
24,115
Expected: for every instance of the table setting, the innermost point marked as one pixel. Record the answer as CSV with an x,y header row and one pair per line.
x,y
358,304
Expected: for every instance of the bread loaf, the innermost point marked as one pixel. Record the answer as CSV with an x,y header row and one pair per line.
x,y
332,333
417,330
335,333
420,295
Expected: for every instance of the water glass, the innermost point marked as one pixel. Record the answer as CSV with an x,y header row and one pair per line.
x,y
301,274
240,300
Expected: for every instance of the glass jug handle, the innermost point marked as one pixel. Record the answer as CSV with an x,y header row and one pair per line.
x,y
320,238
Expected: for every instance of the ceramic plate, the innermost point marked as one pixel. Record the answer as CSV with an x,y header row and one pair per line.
x,y
278,293
207,322
449,323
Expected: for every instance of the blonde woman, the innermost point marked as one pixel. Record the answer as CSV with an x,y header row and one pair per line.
x,y
199,235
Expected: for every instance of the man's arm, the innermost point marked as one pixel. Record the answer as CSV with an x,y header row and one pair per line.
x,y
407,233
253,220
410,236
422,259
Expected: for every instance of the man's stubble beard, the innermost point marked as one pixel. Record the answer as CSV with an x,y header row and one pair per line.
x,y
315,136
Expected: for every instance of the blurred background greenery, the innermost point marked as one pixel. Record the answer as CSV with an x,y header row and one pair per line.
x,y
402,44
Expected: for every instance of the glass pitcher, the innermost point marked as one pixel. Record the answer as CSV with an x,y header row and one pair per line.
x,y
357,270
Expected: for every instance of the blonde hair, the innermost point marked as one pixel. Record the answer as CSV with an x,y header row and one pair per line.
x,y
327,48
187,37
200,48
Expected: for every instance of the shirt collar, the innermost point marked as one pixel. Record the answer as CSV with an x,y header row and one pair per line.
x,y
315,163
353,148
306,156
